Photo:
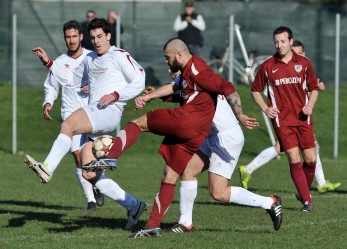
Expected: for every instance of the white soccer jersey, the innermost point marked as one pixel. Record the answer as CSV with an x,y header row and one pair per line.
x,y
224,119
72,97
114,71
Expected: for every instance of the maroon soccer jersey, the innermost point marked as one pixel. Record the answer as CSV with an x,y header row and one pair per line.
x,y
287,88
199,87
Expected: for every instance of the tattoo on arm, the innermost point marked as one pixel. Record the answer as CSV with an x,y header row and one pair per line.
x,y
234,101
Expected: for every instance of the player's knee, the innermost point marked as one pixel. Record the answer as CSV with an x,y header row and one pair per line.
x,y
89,176
218,195
141,122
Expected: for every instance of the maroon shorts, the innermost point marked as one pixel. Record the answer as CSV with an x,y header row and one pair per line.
x,y
181,140
296,136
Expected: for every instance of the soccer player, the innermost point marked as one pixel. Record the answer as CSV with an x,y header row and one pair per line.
x,y
184,127
219,154
268,154
114,77
288,78
72,97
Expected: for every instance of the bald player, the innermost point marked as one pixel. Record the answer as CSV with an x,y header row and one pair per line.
x,y
185,127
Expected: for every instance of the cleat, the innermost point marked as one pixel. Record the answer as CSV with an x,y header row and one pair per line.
x,y
134,214
91,206
308,207
101,164
179,228
41,169
328,187
245,176
147,232
99,197
275,212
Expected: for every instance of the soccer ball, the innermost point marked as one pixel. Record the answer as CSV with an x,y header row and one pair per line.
x,y
102,145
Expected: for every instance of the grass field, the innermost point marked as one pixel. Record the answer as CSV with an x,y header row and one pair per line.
x,y
33,215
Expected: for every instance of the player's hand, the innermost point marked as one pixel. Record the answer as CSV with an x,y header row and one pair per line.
x,y
307,110
272,112
140,102
85,89
41,54
321,85
149,90
247,122
106,99
46,109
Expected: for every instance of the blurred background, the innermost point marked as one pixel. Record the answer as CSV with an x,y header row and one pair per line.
x,y
149,24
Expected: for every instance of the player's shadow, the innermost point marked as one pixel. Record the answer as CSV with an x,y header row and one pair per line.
x,y
30,216
90,222
36,205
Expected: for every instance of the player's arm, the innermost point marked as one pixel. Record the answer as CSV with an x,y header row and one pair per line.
x,y
271,112
313,88
234,101
308,109
51,89
160,92
135,76
62,75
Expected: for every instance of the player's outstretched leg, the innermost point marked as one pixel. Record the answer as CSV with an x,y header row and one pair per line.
x,y
328,187
245,176
275,212
134,214
40,169
99,197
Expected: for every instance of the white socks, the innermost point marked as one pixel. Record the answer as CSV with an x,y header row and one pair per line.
x,y
112,190
244,197
319,173
262,158
87,187
60,148
188,193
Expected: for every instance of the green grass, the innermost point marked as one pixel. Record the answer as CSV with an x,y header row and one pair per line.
x,y
33,215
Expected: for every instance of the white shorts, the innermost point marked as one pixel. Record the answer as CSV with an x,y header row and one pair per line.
x,y
104,120
224,149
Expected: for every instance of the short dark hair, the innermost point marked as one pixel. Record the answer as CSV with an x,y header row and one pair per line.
x,y
176,38
297,43
283,29
101,23
73,24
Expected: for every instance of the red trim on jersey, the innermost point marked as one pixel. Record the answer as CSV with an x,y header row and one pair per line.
x,y
115,95
49,64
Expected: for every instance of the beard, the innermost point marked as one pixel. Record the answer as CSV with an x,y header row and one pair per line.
x,y
75,50
175,66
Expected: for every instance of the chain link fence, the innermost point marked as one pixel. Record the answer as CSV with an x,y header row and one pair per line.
x,y
148,25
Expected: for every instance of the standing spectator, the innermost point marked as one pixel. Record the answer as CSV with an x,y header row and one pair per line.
x,y
112,20
189,26
86,42
289,78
